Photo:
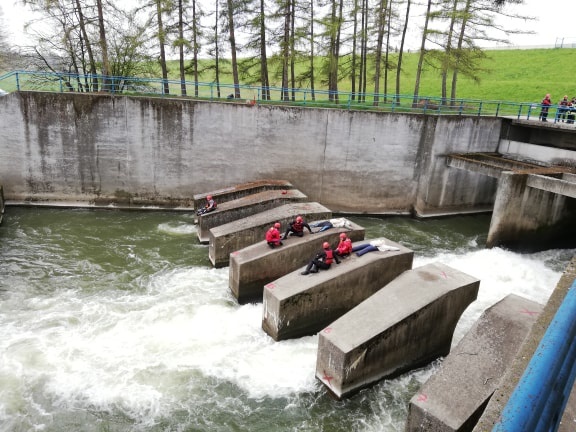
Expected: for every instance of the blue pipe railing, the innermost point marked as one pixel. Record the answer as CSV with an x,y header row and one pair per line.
x,y
539,399
85,83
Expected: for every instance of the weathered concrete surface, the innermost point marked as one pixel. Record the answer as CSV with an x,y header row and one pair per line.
x,y
105,150
521,212
233,236
516,368
405,325
454,398
297,305
238,191
254,266
245,206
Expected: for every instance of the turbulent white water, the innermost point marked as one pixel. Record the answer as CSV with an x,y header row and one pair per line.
x,y
116,343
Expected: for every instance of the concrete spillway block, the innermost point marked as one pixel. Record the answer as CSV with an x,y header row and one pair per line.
x,y
255,266
405,325
245,206
297,305
241,190
233,236
454,398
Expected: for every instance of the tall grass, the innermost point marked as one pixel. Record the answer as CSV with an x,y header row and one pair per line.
x,y
507,75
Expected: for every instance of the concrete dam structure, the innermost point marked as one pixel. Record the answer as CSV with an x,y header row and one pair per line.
x,y
107,150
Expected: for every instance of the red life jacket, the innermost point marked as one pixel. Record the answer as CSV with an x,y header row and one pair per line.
x,y
298,226
272,235
329,256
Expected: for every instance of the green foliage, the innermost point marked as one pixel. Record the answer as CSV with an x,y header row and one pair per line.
x,y
504,75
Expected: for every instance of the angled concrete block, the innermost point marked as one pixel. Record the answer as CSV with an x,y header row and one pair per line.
x,y
233,236
240,190
403,326
245,206
255,266
297,305
454,398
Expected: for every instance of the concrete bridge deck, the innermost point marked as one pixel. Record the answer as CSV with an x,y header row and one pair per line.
x,y
297,305
255,266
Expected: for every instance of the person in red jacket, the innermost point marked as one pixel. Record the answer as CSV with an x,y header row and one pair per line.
x,y
344,248
210,206
323,260
546,102
273,236
296,227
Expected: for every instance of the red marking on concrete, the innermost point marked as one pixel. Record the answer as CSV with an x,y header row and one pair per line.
x,y
328,378
327,329
422,398
284,192
526,311
270,286
445,275
234,253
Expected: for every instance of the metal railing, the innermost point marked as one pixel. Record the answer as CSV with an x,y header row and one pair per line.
x,y
252,95
540,397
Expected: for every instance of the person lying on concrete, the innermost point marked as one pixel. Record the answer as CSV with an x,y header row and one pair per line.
x,y
273,236
210,206
296,227
344,248
332,223
323,260
374,245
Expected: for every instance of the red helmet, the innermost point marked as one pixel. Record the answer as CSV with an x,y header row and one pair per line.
x,y
342,236
348,240
208,197
277,225
299,219
326,245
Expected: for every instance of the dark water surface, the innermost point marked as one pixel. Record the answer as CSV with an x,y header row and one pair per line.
x,y
116,321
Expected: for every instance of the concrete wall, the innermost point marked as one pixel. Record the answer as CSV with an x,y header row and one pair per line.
x,y
96,149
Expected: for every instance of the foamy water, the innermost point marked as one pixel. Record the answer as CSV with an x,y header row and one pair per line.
x,y
154,342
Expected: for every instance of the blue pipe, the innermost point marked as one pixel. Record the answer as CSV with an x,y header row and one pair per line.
x,y
539,399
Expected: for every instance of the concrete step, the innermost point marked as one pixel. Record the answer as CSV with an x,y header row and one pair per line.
x,y
236,235
403,326
255,266
297,305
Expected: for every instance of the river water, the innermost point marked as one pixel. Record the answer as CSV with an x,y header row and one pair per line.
x,y
116,321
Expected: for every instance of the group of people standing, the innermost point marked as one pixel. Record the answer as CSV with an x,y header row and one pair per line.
x,y
566,108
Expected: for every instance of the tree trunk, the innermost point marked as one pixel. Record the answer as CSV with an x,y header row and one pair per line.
x,y
232,39
161,42
399,66
93,70
264,79
422,54
107,84
181,48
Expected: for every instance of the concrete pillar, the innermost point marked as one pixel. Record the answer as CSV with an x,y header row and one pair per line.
x,y
236,235
297,305
405,325
454,398
255,266
245,206
521,214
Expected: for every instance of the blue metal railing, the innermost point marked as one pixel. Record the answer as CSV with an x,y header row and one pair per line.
x,y
538,402
86,83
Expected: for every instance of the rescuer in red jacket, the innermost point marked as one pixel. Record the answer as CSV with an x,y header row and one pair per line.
x,y
273,236
323,260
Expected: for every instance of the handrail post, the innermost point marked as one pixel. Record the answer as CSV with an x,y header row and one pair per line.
x,y
17,81
498,109
479,108
60,82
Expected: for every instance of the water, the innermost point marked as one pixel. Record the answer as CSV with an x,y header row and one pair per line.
x,y
115,321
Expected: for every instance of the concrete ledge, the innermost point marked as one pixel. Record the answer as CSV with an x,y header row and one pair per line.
x,y
297,305
254,266
233,236
240,190
245,206
454,398
405,325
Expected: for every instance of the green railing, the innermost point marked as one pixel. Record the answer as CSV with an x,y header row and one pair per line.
x,y
252,95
